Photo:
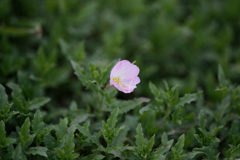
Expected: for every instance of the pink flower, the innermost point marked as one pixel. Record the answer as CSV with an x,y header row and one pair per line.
x,y
124,76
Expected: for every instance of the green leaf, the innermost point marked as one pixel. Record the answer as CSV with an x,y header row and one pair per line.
x,y
139,138
215,130
176,116
37,103
221,76
127,105
166,85
79,73
164,138
68,148
164,148
41,151
42,134
93,157
92,138
209,151
50,142
112,120
79,119
180,143
18,98
24,135
80,52
121,137
154,90
10,115
144,109
202,121
37,127
61,129
3,140
37,122
198,138
191,155
178,149
17,154
117,153
73,106
150,145
3,98
109,131
188,98
61,154
235,152
2,131
143,148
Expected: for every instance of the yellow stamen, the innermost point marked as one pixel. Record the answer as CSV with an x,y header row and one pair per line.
x,y
116,79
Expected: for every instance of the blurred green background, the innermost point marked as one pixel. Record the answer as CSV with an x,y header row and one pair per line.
x,y
179,41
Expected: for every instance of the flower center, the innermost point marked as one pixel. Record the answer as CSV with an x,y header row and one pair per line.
x,y
116,79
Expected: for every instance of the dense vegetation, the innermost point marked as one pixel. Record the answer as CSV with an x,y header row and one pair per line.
x,y
55,62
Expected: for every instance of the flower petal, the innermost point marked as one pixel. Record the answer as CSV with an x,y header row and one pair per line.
x,y
129,85
127,73
128,70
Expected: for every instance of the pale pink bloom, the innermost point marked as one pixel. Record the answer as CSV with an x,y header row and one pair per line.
x,y
124,76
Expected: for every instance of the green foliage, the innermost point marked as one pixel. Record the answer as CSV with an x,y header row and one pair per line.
x,y
68,150
38,128
55,63
178,149
92,138
109,131
5,113
41,151
206,138
17,154
3,140
169,101
61,129
143,148
24,135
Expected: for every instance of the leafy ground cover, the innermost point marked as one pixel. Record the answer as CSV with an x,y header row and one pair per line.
x,y
55,62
